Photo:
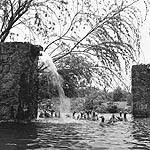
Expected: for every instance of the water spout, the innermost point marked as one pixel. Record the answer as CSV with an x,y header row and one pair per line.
x,y
57,80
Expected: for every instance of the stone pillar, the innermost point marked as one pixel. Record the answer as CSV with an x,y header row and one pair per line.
x,y
141,90
18,77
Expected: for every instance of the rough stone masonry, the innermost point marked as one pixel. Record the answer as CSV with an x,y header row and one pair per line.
x,y
141,90
18,77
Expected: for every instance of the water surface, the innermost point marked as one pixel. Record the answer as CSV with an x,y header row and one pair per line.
x,y
133,134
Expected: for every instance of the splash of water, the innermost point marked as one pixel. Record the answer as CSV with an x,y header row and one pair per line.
x,y
57,80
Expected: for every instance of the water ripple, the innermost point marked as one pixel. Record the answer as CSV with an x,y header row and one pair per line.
x,y
133,134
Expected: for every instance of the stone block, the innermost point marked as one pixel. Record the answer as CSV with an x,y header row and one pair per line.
x,y
18,76
141,90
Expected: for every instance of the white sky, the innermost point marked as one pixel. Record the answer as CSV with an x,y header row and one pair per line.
x,y
145,35
145,42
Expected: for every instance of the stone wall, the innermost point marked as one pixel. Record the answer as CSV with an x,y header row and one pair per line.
x,y
141,90
18,77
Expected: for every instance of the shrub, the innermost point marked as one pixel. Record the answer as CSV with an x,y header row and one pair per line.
x,y
112,109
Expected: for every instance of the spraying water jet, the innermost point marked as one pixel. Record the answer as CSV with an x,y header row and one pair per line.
x,y
64,107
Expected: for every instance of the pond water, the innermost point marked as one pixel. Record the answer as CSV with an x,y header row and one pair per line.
x,y
83,135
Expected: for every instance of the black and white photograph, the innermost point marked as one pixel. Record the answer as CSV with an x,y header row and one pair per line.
x,y
74,75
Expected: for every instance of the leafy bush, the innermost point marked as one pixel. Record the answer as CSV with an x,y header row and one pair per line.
x,y
101,109
112,109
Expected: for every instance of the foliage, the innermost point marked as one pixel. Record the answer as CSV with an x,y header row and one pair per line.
x,y
76,72
101,109
122,95
129,99
77,104
112,108
100,101
106,32
117,94
32,15
107,26
94,99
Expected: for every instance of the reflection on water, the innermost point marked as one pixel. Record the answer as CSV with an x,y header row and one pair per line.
x,y
141,133
87,135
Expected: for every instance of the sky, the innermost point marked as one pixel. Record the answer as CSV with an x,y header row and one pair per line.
x,y
145,42
145,37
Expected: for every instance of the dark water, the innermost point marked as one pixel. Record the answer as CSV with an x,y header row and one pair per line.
x,y
133,134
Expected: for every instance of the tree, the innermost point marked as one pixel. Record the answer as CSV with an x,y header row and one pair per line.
x,y
95,98
107,31
37,16
80,78
77,72
122,95
117,94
